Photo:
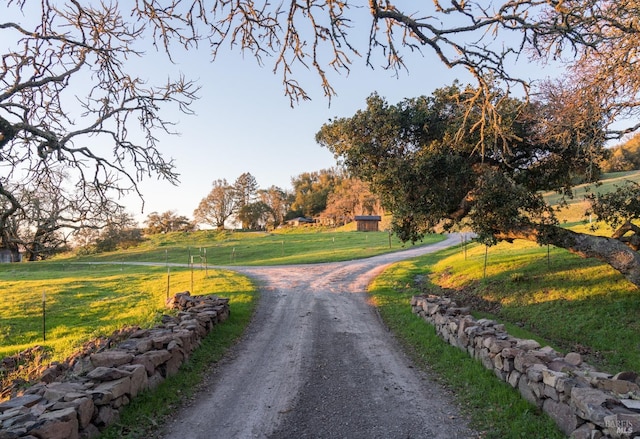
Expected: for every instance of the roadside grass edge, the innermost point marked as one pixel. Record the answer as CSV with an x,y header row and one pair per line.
x,y
146,415
494,408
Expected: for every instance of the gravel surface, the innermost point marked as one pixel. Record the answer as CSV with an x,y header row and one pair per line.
x,y
317,362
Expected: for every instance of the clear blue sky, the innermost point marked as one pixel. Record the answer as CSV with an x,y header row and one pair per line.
x,y
244,123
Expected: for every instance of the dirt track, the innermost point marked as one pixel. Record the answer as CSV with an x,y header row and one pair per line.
x,y
317,362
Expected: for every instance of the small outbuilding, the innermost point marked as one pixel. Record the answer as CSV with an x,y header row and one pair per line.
x,y
367,223
300,221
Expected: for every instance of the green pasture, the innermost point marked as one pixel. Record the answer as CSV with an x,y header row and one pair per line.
x,y
608,184
84,301
298,246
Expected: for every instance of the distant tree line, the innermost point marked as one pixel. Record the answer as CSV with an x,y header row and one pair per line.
x,y
330,196
624,156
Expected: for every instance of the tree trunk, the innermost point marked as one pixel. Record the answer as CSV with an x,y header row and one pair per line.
x,y
608,250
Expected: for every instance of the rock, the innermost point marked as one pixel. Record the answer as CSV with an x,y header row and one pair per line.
x,y
90,432
573,358
586,431
619,387
514,377
152,359
631,404
590,404
560,366
117,388
57,424
105,416
534,373
510,352
20,401
524,361
626,376
57,391
84,408
498,345
526,391
111,358
138,378
550,352
550,377
562,414
102,373
527,345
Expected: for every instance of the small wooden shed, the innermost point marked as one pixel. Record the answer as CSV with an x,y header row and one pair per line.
x,y
367,223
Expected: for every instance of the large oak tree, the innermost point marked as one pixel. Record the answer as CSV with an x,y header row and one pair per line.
x,y
430,166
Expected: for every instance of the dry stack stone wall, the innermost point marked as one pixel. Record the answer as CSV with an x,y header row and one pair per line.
x,y
584,403
87,392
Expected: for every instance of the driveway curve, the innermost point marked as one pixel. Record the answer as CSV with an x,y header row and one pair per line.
x,y
317,362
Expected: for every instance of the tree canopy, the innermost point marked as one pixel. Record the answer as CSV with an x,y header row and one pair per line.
x,y
427,174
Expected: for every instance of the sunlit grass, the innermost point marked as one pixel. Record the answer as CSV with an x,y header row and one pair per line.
x,y
572,303
290,246
496,409
83,302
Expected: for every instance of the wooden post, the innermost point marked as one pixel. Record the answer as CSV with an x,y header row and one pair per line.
x,y
168,280
44,317
486,251
191,263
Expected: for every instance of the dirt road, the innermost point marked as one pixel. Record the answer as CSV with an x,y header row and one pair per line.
x,y
317,362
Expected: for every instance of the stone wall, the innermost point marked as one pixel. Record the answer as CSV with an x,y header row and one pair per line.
x,y
81,396
584,403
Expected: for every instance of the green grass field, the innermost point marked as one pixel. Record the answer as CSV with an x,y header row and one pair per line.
x,y
83,301
290,246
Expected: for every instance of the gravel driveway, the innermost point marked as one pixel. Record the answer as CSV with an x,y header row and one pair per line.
x,y
317,362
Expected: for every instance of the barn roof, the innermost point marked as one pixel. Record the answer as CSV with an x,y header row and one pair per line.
x,y
368,218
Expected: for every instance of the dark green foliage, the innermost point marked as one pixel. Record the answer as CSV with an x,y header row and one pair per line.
x,y
430,162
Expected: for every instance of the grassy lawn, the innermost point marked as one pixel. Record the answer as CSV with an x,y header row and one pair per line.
x,y
290,246
84,301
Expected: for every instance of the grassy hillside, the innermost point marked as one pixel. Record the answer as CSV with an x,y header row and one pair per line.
x,y
571,303
83,301
289,246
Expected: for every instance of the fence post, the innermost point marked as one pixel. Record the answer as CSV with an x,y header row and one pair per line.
x,y
44,317
168,280
486,251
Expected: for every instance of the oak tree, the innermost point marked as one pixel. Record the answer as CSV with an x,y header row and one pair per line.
x,y
218,206
427,174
